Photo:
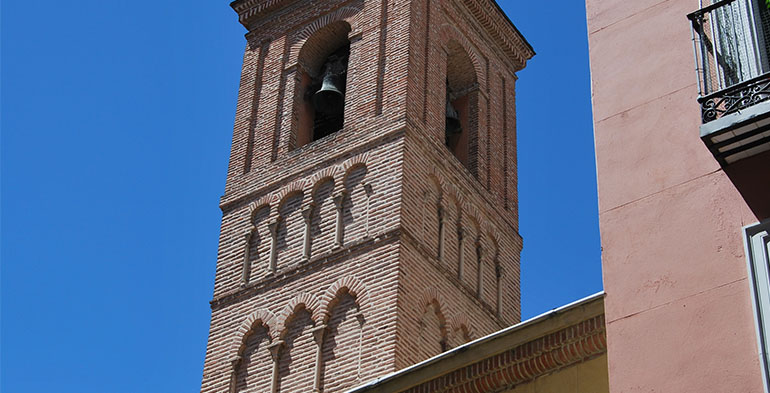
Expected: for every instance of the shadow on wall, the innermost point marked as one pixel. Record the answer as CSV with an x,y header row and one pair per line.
x,y
750,177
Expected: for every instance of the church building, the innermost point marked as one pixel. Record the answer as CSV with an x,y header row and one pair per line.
x,y
370,214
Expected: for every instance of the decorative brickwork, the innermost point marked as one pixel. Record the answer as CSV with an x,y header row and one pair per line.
x,y
461,329
562,350
347,285
524,363
327,246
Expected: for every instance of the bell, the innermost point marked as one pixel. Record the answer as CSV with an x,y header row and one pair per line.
x,y
330,98
453,125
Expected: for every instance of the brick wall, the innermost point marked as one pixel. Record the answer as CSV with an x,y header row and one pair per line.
x,y
340,260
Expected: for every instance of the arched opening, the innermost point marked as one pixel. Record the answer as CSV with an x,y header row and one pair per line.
x,y
460,135
354,208
320,95
341,352
460,335
289,230
256,260
322,220
253,372
433,332
298,352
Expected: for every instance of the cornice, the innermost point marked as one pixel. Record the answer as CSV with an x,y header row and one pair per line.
x,y
249,8
487,12
502,30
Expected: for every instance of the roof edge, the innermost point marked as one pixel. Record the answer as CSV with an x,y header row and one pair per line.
x,y
379,382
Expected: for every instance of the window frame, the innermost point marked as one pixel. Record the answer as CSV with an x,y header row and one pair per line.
x,y
757,247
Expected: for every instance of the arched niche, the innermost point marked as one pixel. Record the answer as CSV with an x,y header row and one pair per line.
x,y
461,133
322,64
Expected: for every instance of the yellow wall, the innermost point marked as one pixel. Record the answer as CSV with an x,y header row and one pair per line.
x,y
586,377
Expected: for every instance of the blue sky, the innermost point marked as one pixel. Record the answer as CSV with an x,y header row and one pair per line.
x,y
116,122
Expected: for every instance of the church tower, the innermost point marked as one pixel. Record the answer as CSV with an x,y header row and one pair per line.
x,y
370,212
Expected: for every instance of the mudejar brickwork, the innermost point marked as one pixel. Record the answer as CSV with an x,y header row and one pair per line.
x,y
359,240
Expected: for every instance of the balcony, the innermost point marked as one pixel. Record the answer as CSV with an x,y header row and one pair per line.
x,y
731,39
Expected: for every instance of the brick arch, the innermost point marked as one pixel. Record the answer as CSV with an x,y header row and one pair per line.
x,y
346,285
259,204
319,183
306,300
305,50
294,187
494,237
431,296
491,231
346,171
282,203
453,201
255,208
259,317
450,34
436,182
344,168
460,321
321,177
433,186
476,218
455,195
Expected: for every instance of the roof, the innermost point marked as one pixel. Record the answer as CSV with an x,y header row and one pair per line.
x,y
548,342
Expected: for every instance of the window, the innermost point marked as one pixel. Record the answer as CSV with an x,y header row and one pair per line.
x,y
734,38
322,79
732,47
461,107
758,256
328,94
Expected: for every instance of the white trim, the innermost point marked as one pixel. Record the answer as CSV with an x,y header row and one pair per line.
x,y
756,238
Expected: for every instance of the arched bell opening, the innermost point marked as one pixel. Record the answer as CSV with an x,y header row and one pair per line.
x,y
320,98
461,107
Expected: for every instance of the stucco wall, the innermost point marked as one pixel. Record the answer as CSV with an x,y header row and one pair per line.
x,y
678,306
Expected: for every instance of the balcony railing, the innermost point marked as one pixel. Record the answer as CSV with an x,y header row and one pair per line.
x,y
731,39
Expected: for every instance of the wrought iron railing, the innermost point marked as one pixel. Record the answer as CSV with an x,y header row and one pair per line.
x,y
732,55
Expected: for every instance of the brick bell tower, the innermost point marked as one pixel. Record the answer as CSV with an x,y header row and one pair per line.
x,y
370,212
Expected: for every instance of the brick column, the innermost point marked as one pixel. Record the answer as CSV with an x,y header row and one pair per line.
x,y
498,278
318,333
441,234
285,130
340,230
356,87
369,192
273,226
235,362
306,215
246,257
479,269
460,253
275,352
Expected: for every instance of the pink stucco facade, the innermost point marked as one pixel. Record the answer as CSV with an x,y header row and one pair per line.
x,y
678,308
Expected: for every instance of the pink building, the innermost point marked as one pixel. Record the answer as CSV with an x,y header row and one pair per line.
x,y
684,191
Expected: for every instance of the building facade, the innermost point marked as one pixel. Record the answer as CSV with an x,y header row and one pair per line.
x,y
684,187
370,211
